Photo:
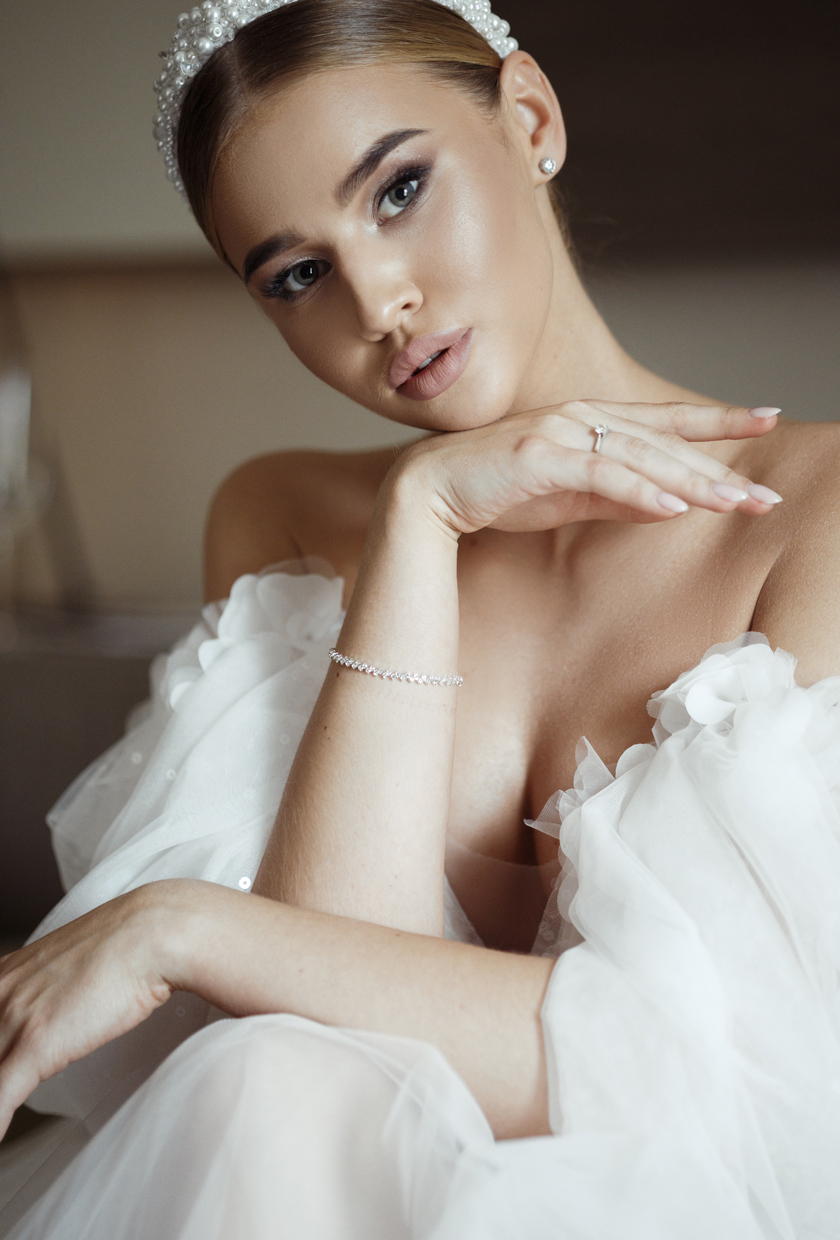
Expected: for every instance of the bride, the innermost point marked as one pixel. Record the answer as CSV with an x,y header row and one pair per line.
x,y
445,1027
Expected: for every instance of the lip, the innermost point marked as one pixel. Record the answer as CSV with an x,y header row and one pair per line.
x,y
454,348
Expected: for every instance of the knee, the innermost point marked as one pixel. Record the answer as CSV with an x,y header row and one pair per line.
x,y
286,1065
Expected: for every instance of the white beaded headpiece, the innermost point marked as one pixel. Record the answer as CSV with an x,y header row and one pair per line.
x,y
205,29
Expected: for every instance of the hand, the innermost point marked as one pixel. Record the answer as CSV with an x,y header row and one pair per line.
x,y
537,470
76,989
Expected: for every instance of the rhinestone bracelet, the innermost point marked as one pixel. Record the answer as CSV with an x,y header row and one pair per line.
x,y
355,665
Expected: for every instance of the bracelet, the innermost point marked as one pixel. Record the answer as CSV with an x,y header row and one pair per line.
x,y
454,681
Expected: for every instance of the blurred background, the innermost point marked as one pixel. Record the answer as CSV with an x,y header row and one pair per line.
x,y
702,192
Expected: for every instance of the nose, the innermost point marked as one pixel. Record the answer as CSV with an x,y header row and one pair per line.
x,y
385,297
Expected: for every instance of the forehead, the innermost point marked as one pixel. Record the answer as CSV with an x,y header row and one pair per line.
x,y
297,144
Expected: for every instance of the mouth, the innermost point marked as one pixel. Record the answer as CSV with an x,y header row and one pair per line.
x,y
431,364
428,361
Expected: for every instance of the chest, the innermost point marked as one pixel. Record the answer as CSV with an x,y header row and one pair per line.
x,y
565,636
559,646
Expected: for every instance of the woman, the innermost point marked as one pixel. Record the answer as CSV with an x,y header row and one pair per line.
x,y
378,175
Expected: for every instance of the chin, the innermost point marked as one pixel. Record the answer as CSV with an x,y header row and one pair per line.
x,y
476,400
484,404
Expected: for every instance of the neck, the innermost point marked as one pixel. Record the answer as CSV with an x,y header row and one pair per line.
x,y
578,358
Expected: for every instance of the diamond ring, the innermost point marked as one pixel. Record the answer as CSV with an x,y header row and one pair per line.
x,y
600,433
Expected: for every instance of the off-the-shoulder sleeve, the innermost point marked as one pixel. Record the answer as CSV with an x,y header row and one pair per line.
x,y
193,787
696,1025
192,790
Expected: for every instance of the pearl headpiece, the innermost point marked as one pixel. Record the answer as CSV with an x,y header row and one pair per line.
x,y
205,29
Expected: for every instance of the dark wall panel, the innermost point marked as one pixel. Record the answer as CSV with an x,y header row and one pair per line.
x,y
699,129
57,713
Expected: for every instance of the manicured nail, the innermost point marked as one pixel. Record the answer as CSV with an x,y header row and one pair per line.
x,y
734,494
764,411
763,494
672,502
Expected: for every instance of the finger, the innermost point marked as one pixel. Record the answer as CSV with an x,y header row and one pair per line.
x,y
699,479
590,472
725,488
698,423
600,509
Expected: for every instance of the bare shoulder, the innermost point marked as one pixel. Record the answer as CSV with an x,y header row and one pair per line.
x,y
799,607
801,460
285,505
797,451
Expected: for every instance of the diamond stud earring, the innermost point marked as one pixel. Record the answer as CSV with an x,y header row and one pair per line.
x,y
548,166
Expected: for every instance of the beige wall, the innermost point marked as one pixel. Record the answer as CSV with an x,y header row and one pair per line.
x,y
81,174
152,384
754,334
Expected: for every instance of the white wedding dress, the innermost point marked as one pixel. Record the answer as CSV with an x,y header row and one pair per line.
x,y
691,1023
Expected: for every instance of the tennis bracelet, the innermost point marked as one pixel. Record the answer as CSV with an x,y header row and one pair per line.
x,y
355,665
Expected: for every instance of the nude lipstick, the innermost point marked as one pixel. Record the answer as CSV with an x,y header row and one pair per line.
x,y
430,364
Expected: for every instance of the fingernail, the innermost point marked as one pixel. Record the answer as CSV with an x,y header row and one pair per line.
x,y
672,502
763,494
764,411
734,494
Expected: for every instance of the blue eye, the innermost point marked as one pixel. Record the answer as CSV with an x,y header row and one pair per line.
x,y
397,198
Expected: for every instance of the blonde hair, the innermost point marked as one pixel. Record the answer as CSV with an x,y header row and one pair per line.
x,y
308,36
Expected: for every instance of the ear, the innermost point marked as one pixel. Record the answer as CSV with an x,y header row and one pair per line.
x,y
534,111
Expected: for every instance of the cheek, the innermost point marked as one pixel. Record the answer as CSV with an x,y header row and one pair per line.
x,y
501,256
473,245
326,340
480,257
522,264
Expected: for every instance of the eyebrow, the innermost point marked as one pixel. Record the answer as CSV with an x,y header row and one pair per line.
x,y
371,160
358,174
266,250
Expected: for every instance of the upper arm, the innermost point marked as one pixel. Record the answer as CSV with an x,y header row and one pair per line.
x,y
248,524
799,607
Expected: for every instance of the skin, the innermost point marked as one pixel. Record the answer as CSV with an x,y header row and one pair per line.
x,y
501,546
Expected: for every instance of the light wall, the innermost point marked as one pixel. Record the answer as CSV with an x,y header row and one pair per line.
x,y
152,384
80,171
752,334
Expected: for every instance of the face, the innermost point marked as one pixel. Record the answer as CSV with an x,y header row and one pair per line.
x,y
380,219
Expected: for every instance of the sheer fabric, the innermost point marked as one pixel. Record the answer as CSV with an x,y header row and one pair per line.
x,y
691,1022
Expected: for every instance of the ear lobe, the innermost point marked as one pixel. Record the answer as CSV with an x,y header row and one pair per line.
x,y
533,103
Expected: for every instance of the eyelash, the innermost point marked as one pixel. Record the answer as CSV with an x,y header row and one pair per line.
x,y
411,172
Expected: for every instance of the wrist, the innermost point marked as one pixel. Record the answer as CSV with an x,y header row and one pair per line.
x,y
165,916
403,613
409,499
207,939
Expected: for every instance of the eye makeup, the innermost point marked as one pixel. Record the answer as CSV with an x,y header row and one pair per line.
x,y
296,281
418,174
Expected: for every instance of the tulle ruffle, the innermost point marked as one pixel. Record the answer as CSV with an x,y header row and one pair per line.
x,y
692,1024
192,790
697,1024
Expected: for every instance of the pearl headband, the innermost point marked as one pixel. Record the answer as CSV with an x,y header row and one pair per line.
x,y
204,30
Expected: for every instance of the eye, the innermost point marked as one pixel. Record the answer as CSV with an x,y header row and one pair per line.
x,y
398,197
289,284
302,275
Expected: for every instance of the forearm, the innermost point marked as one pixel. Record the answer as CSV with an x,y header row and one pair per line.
x,y
481,1008
361,828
